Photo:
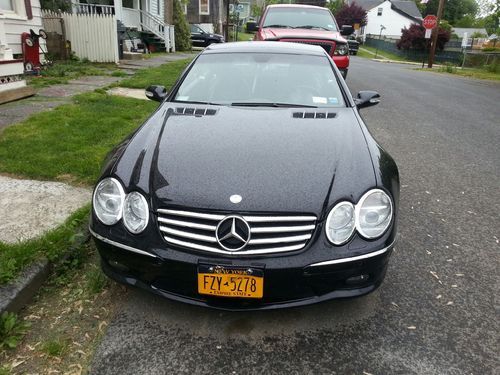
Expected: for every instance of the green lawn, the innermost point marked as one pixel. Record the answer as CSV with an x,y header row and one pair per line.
x,y
364,51
63,71
467,72
70,142
165,75
13,258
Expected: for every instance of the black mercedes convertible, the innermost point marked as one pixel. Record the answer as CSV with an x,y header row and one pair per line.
x,y
254,185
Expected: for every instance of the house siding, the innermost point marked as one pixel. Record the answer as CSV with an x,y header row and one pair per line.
x,y
392,20
194,16
153,8
15,27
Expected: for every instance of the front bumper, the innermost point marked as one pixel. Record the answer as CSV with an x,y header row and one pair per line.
x,y
342,62
286,284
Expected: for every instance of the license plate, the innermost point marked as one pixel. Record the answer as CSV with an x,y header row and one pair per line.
x,y
226,281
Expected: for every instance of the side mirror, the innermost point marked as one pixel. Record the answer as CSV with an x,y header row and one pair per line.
x,y
367,99
157,93
346,30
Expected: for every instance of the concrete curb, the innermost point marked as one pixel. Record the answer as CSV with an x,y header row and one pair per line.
x,y
18,293
403,62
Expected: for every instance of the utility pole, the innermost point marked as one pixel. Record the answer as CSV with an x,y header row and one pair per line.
x,y
435,33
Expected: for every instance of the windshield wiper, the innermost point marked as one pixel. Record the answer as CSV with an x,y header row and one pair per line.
x,y
276,26
311,27
194,102
278,105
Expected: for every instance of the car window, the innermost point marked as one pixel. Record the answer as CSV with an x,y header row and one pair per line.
x,y
300,17
224,78
196,29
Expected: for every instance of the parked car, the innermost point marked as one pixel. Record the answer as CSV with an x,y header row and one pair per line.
x,y
353,44
306,24
254,185
200,38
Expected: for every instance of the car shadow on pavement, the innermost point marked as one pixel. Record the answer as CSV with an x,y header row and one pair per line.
x,y
143,306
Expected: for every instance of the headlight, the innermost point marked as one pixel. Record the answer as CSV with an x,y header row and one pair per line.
x,y
340,223
373,213
108,201
135,212
341,49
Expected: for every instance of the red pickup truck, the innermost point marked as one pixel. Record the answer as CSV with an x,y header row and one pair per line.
x,y
306,24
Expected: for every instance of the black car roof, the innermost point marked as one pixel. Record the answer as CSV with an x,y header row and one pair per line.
x,y
270,47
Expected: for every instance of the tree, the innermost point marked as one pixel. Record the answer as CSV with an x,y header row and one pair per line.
x,y
414,38
334,5
350,15
182,32
454,10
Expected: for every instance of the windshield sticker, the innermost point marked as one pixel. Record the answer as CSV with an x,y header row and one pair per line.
x,y
333,101
319,99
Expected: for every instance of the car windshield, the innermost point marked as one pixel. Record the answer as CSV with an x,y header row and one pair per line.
x,y
308,18
261,79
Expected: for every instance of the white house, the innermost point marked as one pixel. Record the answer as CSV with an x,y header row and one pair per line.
x,y
393,15
16,17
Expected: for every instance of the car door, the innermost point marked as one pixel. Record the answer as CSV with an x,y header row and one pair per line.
x,y
198,36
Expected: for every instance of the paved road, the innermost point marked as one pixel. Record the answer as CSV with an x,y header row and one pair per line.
x,y
438,310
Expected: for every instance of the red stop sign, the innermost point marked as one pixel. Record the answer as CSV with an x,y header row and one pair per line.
x,y
429,22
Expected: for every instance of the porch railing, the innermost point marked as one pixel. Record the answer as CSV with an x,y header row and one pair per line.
x,y
81,8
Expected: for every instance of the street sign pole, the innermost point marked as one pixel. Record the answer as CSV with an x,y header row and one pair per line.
x,y
435,33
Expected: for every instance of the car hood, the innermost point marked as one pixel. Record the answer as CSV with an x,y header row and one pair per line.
x,y
275,162
283,33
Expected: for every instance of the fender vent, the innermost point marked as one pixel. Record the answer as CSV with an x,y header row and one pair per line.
x,y
322,115
192,111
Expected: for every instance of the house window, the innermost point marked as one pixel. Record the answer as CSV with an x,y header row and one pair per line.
x,y
379,11
128,4
6,5
204,6
158,7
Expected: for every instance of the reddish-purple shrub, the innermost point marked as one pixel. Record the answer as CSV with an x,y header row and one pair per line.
x,y
414,38
350,15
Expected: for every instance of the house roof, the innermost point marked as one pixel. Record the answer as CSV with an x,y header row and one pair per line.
x,y
469,30
407,8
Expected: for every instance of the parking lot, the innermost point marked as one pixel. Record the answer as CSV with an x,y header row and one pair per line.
x,y
437,311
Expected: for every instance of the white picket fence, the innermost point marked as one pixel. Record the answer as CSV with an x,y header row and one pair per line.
x,y
92,36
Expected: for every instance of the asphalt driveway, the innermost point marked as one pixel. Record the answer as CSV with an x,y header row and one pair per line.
x,y
438,310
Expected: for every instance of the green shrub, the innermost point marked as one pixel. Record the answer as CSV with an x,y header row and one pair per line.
x,y
182,31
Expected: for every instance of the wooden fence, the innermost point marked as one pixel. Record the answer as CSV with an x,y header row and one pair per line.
x,y
92,36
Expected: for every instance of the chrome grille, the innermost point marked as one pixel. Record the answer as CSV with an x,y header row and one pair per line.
x,y
328,47
268,233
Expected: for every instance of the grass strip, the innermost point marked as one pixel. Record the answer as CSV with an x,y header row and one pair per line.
x,y
15,257
63,71
164,75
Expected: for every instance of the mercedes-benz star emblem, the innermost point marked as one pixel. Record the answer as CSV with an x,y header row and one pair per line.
x,y
233,233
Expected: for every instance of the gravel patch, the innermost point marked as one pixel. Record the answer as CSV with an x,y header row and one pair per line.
x,y
29,208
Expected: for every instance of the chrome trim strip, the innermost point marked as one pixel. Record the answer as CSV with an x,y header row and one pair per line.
x,y
249,252
352,259
262,219
190,235
264,241
122,246
253,219
187,224
297,228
